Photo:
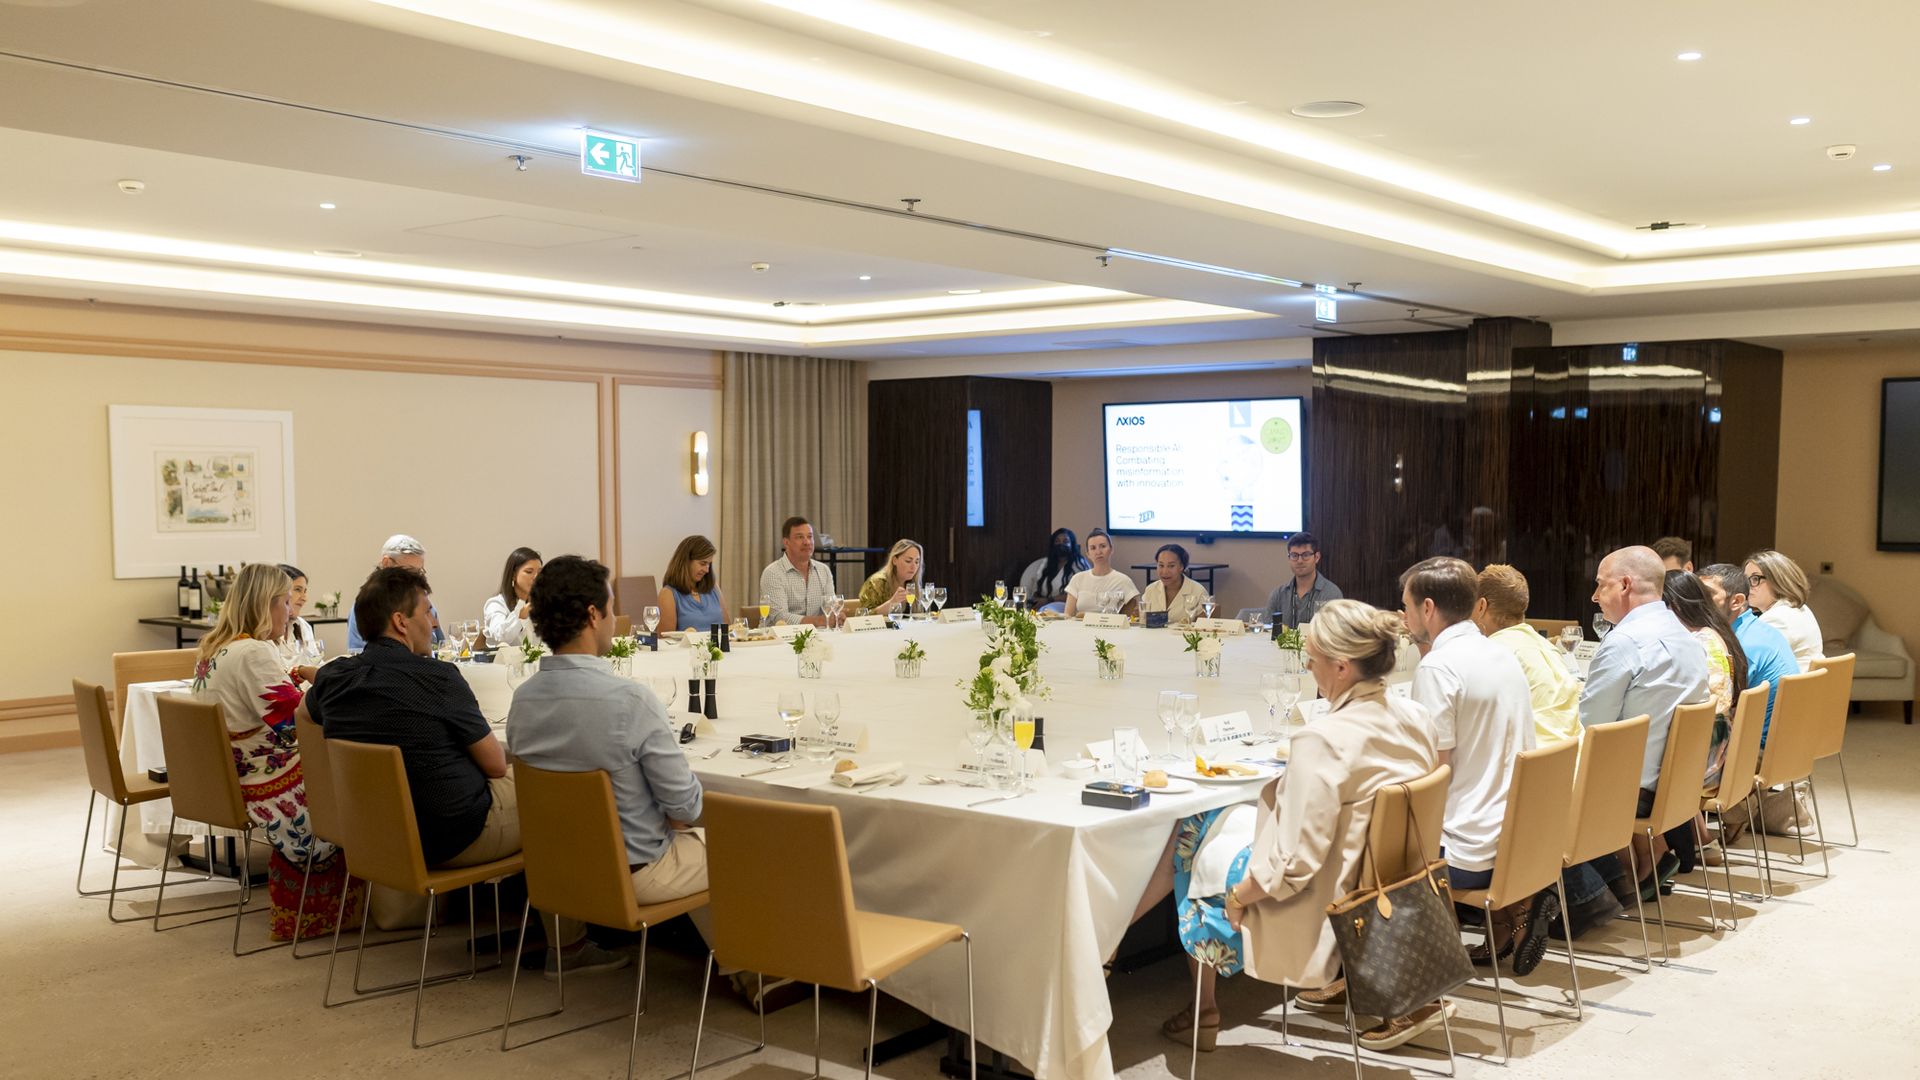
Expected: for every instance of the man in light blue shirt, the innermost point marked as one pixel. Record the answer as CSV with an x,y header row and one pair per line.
x,y
399,550
1769,656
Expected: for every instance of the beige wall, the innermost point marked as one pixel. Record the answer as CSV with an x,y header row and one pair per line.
x,y
1079,500
658,506
1829,475
380,414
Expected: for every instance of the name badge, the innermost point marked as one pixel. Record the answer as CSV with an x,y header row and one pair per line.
x,y
858,623
1226,727
1108,619
1223,627
958,614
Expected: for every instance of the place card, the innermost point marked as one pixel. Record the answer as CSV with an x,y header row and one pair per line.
x,y
1223,627
860,623
1102,754
1309,711
1106,619
851,738
787,631
1226,727
1583,651
958,614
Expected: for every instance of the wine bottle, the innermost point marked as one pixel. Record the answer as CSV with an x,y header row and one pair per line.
x,y
181,590
196,596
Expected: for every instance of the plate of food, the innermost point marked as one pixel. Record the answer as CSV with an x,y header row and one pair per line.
x,y
1224,772
1159,783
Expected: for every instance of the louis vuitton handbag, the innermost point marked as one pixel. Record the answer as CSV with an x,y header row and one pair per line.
x,y
1399,943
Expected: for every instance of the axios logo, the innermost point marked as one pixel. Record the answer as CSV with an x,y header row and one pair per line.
x,y
1130,421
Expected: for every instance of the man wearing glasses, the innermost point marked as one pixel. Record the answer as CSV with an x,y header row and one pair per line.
x,y
1295,603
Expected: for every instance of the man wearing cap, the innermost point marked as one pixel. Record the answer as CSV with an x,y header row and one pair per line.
x,y
399,550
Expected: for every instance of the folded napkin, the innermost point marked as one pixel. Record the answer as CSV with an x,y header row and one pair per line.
x,y
884,773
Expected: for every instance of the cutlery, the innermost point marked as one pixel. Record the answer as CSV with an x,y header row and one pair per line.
x,y
770,768
711,754
998,798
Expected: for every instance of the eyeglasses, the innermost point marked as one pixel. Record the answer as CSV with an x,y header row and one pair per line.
x,y
1298,555
1756,579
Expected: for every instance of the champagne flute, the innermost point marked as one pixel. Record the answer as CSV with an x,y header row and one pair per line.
x,y
912,591
1168,703
1187,716
791,707
469,633
1023,737
999,590
826,711
650,618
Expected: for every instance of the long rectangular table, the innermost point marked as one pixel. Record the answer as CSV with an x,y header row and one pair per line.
x,y
181,626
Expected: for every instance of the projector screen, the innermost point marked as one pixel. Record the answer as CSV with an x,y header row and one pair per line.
x,y
1235,467
1899,465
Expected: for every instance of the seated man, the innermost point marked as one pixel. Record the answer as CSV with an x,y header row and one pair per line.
x,y
1476,694
1294,603
1500,614
399,550
795,586
1675,553
395,694
1769,659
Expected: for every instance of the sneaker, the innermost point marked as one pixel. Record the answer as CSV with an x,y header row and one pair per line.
x,y
772,994
1402,1029
1329,998
585,960
1530,939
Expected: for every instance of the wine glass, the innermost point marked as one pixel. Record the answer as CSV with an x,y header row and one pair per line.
x,y
791,706
1207,606
316,651
1169,702
1570,636
1126,755
1601,626
913,591
926,597
1019,597
979,734
764,608
1186,715
469,633
1022,715
939,599
666,688
1270,693
999,590
826,712
834,605
650,618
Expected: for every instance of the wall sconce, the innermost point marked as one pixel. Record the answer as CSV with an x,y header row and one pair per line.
x,y
700,474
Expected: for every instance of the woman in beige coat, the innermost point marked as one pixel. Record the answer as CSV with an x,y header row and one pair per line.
x,y
1252,882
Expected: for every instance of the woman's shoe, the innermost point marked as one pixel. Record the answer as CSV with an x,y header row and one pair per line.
x,y
1179,1027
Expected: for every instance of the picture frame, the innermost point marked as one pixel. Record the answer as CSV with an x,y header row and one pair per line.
x,y
199,487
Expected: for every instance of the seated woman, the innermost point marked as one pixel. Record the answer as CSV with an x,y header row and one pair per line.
x,y
886,591
1777,588
297,644
505,617
1045,579
691,598
1686,596
1271,869
1102,588
241,669
1173,591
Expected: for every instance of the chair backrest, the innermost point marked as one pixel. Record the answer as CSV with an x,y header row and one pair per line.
x,y
316,774
1404,832
1743,749
1606,788
1533,836
781,896
1788,753
376,815
1683,766
622,625
97,742
631,595
138,667
200,774
575,851
1832,734
1550,628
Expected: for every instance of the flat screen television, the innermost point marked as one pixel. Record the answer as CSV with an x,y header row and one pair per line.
x,y
1899,517
1227,467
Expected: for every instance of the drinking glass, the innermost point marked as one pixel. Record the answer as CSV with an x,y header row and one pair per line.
x,y
834,606
1126,755
469,633
1022,715
650,618
764,608
912,593
1270,693
791,707
1169,701
1019,597
979,734
316,651
826,712
1601,626
1207,606
1570,636
999,590
939,599
666,688
1186,715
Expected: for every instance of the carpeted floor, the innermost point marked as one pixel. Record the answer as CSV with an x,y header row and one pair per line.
x,y
1818,983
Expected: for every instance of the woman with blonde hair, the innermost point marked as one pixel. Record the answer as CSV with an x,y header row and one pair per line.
x,y
887,588
1272,868
241,669
690,599
1777,588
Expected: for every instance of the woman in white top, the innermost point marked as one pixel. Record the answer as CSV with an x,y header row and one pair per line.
x,y
297,644
1777,588
505,616
1173,591
1101,589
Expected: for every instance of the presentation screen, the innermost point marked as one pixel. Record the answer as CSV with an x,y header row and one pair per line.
x,y
1234,467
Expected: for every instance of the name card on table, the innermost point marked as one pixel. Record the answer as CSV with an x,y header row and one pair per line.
x,y
1106,619
1583,651
1226,727
1102,754
787,631
958,614
859,623
851,738
1306,712
1223,627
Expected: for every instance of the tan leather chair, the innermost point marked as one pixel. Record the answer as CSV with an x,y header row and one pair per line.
x,y
1606,792
316,774
622,626
1533,839
1550,628
1788,756
1737,776
205,788
1683,765
383,847
138,667
99,748
782,902
631,595
576,856
1833,735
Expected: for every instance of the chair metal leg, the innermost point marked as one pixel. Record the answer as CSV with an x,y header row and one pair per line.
x,y
1193,1034
1639,909
300,910
700,1026
1499,996
1813,792
1353,1036
86,834
816,1034
420,986
1659,907
1847,786
1756,835
1706,872
639,998
973,1042
873,1015
1573,968
513,979
160,898
112,891
1446,1023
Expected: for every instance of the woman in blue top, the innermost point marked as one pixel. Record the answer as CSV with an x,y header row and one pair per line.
x,y
691,599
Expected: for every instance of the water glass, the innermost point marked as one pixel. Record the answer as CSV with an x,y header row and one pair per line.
x,y
650,617
1570,636
1186,715
1602,626
826,712
1126,755
1166,706
666,688
1207,606
1019,597
791,707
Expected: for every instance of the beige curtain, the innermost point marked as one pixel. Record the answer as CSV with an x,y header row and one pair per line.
x,y
793,441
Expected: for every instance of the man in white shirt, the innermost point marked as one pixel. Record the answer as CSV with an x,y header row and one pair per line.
x,y
796,585
1482,714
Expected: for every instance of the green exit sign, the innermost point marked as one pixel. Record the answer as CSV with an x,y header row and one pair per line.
x,y
616,157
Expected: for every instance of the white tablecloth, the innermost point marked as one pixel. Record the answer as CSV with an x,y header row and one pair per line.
x,y
140,750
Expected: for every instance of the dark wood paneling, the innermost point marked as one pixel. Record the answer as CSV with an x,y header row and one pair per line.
x,y
1749,450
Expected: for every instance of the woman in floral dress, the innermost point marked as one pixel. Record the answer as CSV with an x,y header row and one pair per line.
x,y
242,670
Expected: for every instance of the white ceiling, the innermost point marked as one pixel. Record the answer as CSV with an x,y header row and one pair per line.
x,y
1541,137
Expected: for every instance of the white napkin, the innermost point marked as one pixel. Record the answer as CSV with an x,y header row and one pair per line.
x,y
885,772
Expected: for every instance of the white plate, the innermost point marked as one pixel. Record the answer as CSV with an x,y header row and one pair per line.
x,y
1186,772
1175,786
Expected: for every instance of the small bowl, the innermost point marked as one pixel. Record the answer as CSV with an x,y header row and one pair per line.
x,y
1079,769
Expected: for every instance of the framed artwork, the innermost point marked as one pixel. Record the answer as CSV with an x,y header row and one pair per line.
x,y
197,487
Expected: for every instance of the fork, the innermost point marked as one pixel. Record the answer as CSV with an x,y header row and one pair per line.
x,y
998,798
768,769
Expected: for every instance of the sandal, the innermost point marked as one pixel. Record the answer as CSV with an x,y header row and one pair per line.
x,y
1179,1027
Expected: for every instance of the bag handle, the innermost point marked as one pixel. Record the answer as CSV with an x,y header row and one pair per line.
x,y
1367,860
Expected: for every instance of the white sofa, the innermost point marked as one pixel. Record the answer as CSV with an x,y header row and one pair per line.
x,y
1883,669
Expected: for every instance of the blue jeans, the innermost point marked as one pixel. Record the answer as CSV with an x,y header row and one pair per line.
x,y
1585,882
1469,879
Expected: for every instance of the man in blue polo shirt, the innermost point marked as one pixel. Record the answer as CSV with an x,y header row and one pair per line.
x,y
1769,657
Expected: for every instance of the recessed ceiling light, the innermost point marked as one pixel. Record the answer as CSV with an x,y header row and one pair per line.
x,y
1688,55
1883,167
866,277
1801,121
326,206
962,292
1328,110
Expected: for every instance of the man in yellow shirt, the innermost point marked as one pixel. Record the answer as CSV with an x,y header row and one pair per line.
x,y
1555,692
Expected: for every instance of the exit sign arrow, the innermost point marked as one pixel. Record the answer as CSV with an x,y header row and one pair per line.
x,y
615,157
